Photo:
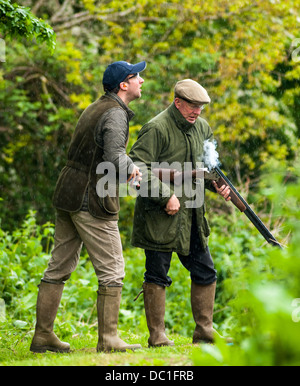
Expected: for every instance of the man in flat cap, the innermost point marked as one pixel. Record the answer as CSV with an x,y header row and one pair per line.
x,y
85,216
164,223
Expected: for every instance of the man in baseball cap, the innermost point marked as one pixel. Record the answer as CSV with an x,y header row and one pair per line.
x,y
88,215
117,72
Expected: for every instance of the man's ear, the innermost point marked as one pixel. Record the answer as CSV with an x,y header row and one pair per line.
x,y
177,102
123,86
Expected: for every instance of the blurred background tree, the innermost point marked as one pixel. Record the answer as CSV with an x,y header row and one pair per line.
x,y
246,54
240,51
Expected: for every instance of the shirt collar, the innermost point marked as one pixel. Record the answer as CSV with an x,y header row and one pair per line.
x,y
181,122
115,97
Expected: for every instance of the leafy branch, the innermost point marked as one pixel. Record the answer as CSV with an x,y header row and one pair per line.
x,y
18,22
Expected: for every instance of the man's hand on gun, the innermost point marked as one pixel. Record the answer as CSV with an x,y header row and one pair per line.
x,y
224,191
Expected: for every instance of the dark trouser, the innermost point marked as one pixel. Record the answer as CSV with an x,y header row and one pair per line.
x,y
199,263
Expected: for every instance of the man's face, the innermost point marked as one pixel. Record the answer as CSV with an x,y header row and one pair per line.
x,y
134,86
188,110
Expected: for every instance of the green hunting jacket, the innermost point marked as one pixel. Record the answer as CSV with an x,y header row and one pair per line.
x,y
170,138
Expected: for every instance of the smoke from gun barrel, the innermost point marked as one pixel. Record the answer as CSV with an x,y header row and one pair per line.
x,y
211,160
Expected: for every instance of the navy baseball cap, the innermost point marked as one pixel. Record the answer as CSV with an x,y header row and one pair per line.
x,y
117,72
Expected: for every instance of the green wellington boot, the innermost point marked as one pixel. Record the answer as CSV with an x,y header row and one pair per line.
x,y
46,309
202,301
108,305
154,300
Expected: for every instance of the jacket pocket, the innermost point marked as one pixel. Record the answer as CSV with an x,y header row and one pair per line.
x,y
69,190
160,228
206,228
108,195
111,205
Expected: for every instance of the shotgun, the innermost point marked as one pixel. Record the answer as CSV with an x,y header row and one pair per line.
x,y
176,177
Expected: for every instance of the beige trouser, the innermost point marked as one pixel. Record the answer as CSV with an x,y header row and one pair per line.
x,y
102,241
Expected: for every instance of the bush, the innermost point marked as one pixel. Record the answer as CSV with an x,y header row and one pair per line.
x,y
263,292
258,291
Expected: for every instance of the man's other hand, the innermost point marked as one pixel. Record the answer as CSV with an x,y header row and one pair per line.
x,y
224,191
173,205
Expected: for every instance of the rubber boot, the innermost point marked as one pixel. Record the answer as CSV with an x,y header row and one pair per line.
x,y
154,300
202,301
108,305
46,309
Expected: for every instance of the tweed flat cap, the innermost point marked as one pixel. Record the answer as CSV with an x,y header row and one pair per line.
x,y
191,91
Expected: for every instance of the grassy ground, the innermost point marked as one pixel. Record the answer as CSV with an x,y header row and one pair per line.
x,y
83,353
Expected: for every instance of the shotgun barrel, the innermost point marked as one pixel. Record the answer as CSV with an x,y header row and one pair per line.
x,y
259,225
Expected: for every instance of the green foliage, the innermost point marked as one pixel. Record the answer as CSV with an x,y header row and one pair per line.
x,y
241,53
257,300
24,254
18,22
264,290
